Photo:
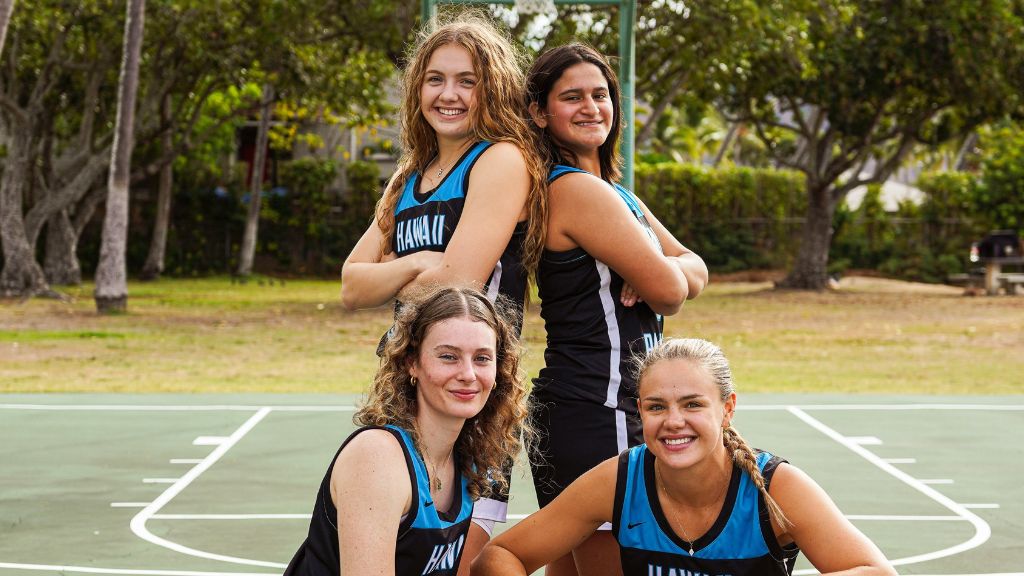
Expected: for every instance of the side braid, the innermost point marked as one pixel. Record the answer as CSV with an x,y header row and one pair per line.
x,y
744,457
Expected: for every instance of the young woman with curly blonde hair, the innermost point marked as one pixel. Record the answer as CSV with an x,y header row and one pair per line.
x,y
448,405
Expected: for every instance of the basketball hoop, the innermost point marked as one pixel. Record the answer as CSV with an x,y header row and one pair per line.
x,y
535,6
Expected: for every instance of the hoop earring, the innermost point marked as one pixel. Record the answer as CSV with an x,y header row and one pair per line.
x,y
412,380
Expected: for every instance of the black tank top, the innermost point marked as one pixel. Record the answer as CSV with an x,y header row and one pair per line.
x,y
590,334
427,222
429,542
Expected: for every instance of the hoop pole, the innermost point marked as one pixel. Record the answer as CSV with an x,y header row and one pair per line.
x,y
627,64
627,80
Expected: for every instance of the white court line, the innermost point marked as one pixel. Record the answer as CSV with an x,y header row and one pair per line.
x,y
186,460
980,505
935,480
902,518
982,531
94,570
231,516
138,524
916,406
159,480
176,408
865,440
900,460
129,504
209,440
350,408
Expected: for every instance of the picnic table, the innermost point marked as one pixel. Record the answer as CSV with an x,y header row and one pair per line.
x,y
995,278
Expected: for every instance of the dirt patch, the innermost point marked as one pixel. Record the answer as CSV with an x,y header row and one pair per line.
x,y
878,284
748,276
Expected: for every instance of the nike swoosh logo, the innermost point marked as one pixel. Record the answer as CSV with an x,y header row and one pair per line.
x,y
632,525
428,504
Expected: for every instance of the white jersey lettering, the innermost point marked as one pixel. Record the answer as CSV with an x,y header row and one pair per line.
x,y
444,556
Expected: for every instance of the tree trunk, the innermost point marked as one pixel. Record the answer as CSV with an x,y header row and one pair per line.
x,y
248,250
6,7
734,128
158,244
960,163
111,275
61,264
652,121
21,274
65,197
86,208
810,271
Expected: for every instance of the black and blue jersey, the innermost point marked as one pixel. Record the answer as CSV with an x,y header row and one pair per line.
x,y
591,335
427,221
585,396
429,541
741,542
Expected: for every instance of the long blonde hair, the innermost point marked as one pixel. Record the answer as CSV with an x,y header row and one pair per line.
x,y
710,358
499,116
491,438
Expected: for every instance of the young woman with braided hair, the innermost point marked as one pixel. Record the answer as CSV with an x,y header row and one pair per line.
x,y
694,498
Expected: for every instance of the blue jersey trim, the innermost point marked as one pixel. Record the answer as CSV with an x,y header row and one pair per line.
x,y
559,170
453,186
427,515
638,526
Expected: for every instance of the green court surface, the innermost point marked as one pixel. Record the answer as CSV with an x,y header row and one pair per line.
x,y
196,485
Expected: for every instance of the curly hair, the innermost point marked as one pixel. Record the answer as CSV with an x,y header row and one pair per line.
x,y
499,116
540,80
495,435
711,359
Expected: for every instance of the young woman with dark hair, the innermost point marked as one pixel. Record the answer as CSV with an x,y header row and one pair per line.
x,y
609,273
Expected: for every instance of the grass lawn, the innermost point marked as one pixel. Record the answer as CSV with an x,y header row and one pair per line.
x,y
210,335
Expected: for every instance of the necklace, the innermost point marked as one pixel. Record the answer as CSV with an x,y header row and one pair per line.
x,y
433,479
686,537
441,168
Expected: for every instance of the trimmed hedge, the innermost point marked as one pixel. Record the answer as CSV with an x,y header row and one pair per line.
x,y
744,218
735,218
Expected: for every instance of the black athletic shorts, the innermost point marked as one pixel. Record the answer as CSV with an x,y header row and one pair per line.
x,y
575,436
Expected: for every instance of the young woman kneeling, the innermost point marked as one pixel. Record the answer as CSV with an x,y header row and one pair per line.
x,y
447,405
694,498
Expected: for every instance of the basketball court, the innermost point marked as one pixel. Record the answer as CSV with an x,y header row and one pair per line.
x,y
223,485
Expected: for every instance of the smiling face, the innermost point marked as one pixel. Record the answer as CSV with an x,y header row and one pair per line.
x,y
447,93
683,413
455,368
579,111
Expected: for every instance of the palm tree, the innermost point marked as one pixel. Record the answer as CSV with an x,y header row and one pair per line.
x,y
111,275
252,220
6,7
